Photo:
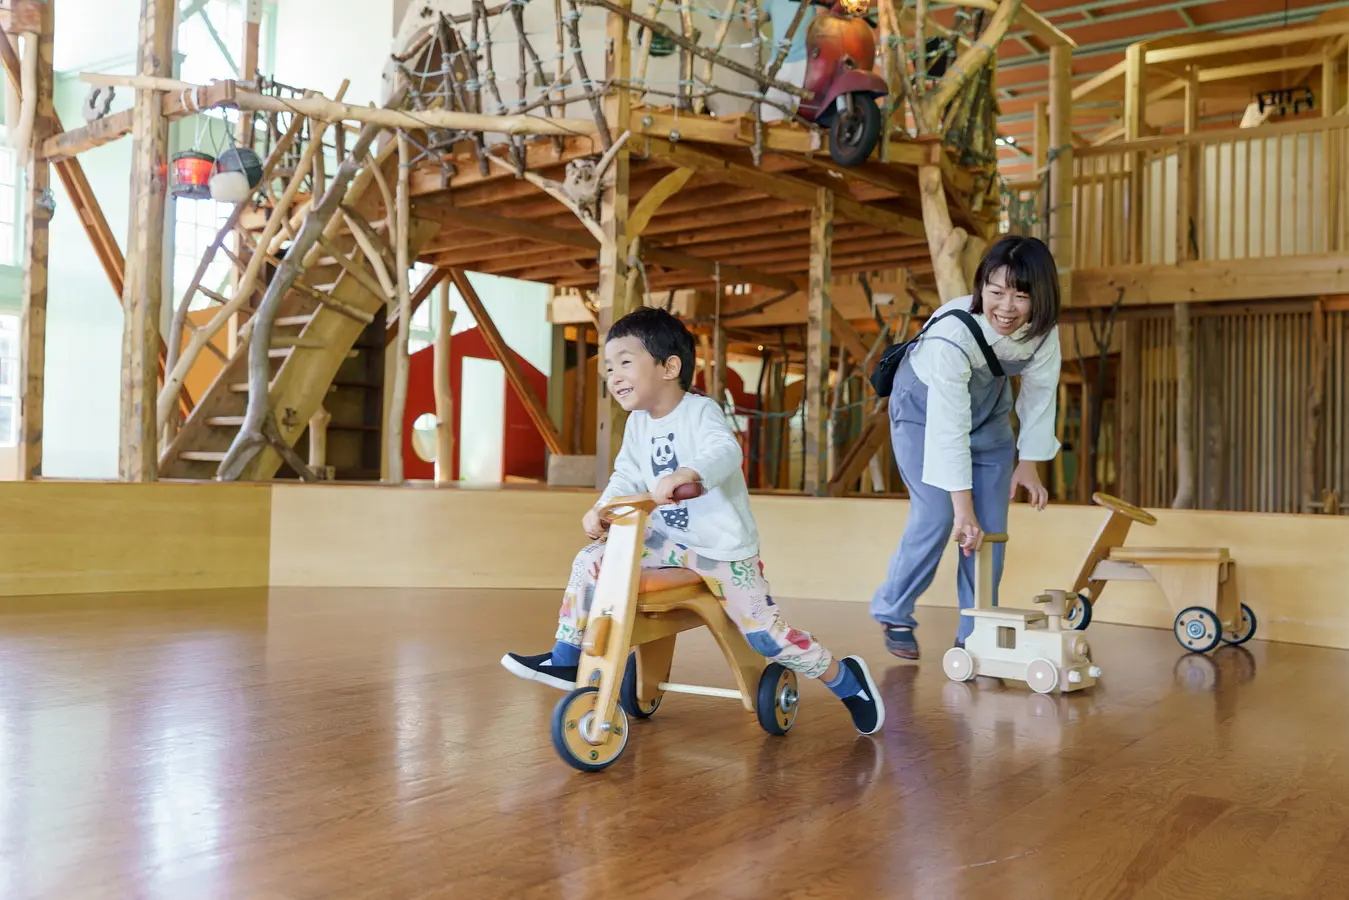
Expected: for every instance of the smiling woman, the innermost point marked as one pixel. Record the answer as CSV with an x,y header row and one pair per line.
x,y
951,429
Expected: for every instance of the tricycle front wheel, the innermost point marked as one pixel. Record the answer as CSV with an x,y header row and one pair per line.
x,y
854,131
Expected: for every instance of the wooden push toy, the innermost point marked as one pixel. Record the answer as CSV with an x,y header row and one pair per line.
x,y
1199,582
1023,644
629,647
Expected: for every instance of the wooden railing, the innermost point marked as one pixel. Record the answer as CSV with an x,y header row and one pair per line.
x,y
1252,193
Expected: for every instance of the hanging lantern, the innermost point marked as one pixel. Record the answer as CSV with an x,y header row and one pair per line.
x,y
236,173
192,174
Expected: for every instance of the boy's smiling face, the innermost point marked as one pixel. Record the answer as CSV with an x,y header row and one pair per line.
x,y
636,379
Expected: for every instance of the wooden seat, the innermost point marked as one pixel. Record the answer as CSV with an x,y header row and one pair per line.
x,y
653,580
1143,555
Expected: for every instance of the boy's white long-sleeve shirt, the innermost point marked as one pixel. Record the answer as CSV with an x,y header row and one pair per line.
x,y
717,525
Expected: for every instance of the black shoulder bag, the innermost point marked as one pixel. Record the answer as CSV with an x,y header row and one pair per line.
x,y
883,376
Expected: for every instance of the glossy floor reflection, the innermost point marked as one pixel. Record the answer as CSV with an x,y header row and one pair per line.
x,y
322,744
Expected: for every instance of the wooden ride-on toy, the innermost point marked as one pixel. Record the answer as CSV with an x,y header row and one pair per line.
x,y
629,644
1022,644
1200,583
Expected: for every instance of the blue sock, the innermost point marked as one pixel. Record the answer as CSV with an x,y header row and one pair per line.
x,y
565,654
845,683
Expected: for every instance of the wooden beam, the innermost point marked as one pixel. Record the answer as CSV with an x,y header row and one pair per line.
x,y
1262,40
37,214
424,289
1042,142
1204,281
515,375
1042,28
730,131
875,432
652,200
142,297
819,319
117,125
847,335
783,187
1084,90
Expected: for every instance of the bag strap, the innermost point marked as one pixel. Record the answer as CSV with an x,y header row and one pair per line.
x,y
994,366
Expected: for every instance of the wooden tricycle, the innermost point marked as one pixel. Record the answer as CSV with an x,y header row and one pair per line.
x,y
1023,644
1199,582
629,643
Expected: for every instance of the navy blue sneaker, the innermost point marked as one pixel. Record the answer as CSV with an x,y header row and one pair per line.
x,y
899,640
540,668
866,706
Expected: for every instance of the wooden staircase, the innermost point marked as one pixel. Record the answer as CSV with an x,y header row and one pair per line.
x,y
317,330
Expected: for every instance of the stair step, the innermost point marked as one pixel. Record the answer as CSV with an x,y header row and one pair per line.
x,y
239,388
202,455
225,421
279,352
293,321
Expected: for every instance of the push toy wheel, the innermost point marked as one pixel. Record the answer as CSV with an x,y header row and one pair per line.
x,y
778,700
582,742
1042,676
1078,615
1245,629
1115,504
958,664
1198,629
627,693
853,133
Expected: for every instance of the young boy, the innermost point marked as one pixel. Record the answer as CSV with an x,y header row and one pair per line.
x,y
672,438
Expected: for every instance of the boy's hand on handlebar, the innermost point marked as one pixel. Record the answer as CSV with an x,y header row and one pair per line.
x,y
592,523
663,492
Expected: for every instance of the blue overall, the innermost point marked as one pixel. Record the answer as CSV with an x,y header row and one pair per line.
x,y
931,513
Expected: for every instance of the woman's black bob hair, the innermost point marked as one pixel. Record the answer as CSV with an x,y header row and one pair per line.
x,y
1030,270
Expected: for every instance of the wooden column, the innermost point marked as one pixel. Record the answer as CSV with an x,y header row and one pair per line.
x,y
1213,415
1311,444
142,296
1135,90
1328,139
557,377
612,299
819,315
37,214
1061,166
1184,341
1130,405
1187,205
318,438
441,387
1042,140
717,383
393,425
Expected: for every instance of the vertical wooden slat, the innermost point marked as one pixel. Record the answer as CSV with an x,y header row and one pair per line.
x,y
1246,219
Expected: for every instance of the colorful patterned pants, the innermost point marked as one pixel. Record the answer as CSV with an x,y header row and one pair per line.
x,y
740,586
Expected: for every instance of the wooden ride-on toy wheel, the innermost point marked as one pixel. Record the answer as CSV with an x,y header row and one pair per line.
x,y
1198,629
958,664
778,699
582,742
1078,614
1115,504
1245,629
1042,675
629,696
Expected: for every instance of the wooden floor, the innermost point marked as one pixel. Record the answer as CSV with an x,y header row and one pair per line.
x,y
367,744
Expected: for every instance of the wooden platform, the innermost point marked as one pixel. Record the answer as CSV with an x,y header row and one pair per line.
x,y
753,220
367,744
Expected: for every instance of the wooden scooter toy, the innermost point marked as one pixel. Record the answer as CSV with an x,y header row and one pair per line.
x,y
1200,583
1021,644
629,643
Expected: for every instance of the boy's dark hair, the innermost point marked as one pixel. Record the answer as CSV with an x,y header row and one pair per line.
x,y
663,336
1030,269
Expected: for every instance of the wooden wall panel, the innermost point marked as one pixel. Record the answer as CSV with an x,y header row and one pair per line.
x,y
820,548
92,537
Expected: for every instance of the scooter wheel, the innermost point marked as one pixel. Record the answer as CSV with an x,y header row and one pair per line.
x,y
854,131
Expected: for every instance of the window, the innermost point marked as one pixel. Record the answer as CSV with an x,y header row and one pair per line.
x,y
196,223
9,380
9,207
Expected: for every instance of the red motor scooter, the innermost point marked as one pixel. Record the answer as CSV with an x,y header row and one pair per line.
x,y
840,74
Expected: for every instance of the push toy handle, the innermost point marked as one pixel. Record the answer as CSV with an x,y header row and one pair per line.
x,y
995,537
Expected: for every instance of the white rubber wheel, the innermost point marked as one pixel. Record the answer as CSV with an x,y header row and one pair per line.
x,y
958,664
1042,676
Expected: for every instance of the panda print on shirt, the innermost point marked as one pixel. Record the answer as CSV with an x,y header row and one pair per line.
x,y
664,460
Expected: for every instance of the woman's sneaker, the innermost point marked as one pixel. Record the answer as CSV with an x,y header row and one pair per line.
x,y
540,668
900,641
